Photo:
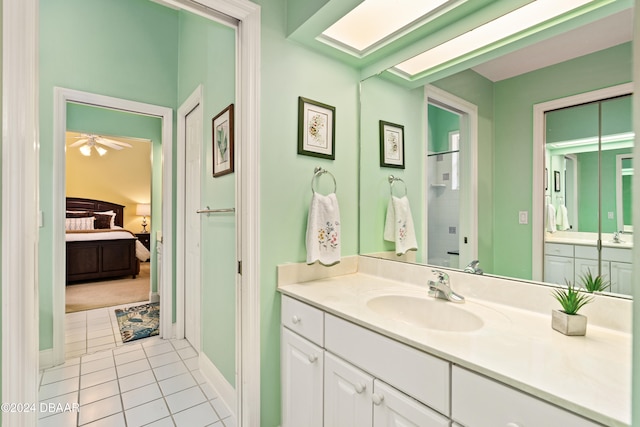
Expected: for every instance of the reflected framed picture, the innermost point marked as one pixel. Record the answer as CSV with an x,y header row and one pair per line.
x,y
391,145
316,129
556,181
223,142
546,179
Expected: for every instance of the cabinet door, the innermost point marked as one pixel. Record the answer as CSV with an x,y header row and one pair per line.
x,y
621,278
347,394
582,266
395,409
557,269
302,364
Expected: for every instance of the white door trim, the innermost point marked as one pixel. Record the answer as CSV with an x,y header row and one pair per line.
x,y
469,143
537,209
194,100
20,168
61,97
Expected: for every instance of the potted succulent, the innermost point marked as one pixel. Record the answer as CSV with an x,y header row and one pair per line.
x,y
567,320
592,283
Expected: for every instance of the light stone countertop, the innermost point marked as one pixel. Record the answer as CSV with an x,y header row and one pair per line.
x,y
588,239
589,375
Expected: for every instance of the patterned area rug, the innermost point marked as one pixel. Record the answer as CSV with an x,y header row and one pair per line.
x,y
138,322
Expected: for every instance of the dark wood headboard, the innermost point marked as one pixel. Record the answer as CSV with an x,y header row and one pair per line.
x,y
78,204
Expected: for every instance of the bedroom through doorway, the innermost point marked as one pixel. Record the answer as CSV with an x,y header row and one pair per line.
x,y
111,191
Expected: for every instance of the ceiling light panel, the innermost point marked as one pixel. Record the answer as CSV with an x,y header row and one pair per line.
x,y
507,25
373,21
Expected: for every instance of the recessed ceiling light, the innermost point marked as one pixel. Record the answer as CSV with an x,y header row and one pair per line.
x,y
374,21
521,19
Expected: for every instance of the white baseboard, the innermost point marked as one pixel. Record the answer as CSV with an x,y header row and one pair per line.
x,y
46,358
154,297
219,383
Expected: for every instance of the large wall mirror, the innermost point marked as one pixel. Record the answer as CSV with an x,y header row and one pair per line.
x,y
469,176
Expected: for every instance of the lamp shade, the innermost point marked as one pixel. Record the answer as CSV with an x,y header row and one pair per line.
x,y
143,209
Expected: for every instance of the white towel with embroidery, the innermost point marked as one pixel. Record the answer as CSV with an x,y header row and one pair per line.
x,y
550,220
323,230
562,218
398,226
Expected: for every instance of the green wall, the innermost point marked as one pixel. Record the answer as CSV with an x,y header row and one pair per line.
x,y
513,179
289,71
130,52
441,122
207,57
381,99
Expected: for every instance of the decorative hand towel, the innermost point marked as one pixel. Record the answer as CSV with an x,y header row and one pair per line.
x,y
562,218
550,220
323,230
399,227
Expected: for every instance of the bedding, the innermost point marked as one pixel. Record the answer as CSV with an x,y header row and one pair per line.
x,y
97,245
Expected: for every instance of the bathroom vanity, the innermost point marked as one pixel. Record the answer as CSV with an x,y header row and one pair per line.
x,y
361,349
569,255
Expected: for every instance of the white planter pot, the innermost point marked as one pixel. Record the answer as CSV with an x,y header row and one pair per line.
x,y
569,324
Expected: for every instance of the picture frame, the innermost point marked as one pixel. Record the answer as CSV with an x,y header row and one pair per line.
x,y
316,129
391,145
556,181
223,142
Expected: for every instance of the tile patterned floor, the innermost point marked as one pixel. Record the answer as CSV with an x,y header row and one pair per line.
x,y
149,382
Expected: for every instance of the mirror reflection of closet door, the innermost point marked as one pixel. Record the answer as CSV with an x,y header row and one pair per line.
x,y
583,147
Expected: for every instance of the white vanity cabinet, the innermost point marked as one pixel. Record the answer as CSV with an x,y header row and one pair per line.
x,y
568,262
302,365
478,401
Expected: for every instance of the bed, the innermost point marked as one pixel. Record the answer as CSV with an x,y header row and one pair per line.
x,y
103,253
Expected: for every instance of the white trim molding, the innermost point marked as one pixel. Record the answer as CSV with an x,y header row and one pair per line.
x,y
20,218
537,214
62,96
219,383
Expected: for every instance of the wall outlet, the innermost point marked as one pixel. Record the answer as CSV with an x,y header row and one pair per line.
x,y
523,217
610,215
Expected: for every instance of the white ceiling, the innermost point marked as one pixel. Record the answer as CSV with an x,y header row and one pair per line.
x,y
602,34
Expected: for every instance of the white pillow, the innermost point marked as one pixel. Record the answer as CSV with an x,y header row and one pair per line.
x,y
113,217
86,223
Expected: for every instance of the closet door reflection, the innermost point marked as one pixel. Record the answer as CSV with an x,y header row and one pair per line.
x,y
585,148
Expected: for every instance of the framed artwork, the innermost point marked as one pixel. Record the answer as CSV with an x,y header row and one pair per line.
x,y
316,129
223,142
391,145
556,181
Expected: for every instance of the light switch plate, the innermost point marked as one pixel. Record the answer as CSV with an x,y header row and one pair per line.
x,y
610,215
523,217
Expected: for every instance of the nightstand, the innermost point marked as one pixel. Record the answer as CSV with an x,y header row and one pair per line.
x,y
145,239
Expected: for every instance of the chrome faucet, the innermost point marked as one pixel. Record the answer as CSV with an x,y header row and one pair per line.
x,y
616,237
442,288
472,267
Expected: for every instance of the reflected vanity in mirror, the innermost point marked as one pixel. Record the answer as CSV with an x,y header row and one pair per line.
x,y
476,191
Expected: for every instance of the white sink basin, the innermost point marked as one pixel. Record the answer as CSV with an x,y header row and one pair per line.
x,y
427,313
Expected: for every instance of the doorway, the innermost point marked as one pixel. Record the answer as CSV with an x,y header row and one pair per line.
x,y
451,206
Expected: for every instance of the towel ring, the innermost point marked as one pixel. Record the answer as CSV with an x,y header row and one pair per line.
x,y
317,172
392,180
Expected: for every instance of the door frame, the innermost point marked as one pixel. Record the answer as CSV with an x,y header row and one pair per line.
x,y
194,100
20,215
61,97
469,143
537,202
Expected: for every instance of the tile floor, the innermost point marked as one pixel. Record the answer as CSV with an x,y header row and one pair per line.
x,y
149,382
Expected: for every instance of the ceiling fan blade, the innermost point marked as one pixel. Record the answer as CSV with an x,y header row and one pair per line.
x,y
102,140
110,145
79,142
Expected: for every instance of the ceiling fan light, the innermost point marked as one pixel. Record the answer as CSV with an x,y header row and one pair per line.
x,y
85,150
101,150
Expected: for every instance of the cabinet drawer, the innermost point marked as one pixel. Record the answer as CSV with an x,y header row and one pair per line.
x,y
558,249
586,252
616,254
424,377
303,319
481,402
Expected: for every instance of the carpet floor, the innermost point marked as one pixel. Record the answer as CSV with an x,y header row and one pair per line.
x,y
107,293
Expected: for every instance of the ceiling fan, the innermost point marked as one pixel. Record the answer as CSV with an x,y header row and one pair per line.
x,y
86,141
